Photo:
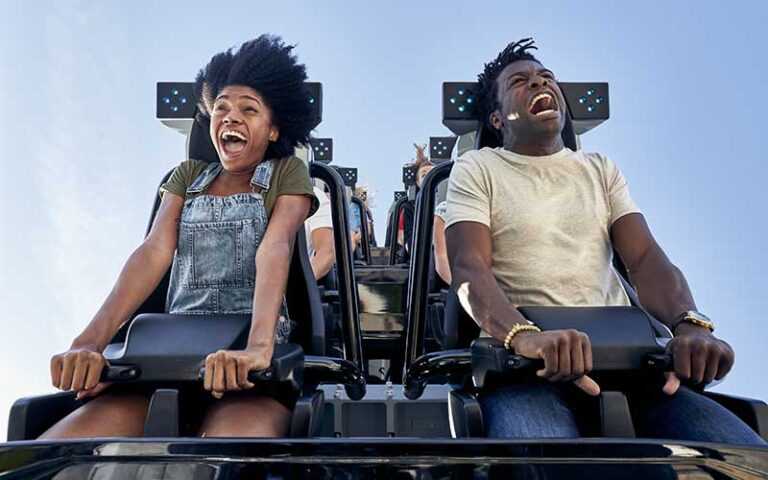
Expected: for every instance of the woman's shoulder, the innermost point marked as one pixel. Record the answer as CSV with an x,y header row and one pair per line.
x,y
193,167
291,177
290,165
183,176
291,173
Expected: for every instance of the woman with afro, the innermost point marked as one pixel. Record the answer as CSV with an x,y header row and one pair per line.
x,y
217,225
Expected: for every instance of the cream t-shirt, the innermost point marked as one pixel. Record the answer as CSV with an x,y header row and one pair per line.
x,y
550,220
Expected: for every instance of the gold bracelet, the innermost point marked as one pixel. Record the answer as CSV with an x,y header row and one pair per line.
x,y
520,327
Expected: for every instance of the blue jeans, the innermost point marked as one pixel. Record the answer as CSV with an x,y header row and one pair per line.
x,y
540,410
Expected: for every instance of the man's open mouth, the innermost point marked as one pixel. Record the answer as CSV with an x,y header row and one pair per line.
x,y
542,103
233,142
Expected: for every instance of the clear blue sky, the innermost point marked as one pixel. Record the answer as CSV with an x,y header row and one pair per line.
x,y
82,153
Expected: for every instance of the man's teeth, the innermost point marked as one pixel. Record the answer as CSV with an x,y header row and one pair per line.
x,y
545,111
541,96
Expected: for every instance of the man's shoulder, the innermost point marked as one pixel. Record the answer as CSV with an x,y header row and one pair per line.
x,y
477,156
595,158
482,160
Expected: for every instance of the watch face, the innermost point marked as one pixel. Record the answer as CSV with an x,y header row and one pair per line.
x,y
699,319
698,316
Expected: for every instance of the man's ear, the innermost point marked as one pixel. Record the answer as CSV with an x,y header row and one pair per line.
x,y
495,120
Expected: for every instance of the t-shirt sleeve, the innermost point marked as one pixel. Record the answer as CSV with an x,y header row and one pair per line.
x,y
182,177
322,217
441,209
618,192
468,199
292,179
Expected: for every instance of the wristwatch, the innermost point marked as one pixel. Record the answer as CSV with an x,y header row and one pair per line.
x,y
694,317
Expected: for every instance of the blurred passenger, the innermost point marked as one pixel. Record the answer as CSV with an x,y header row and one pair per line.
x,y
363,194
425,166
319,230
441,253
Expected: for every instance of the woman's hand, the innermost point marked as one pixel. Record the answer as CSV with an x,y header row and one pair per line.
x,y
79,369
227,370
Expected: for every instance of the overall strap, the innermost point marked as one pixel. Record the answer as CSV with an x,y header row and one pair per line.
x,y
205,179
263,175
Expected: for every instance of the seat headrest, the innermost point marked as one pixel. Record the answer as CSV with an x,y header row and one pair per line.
x,y
200,146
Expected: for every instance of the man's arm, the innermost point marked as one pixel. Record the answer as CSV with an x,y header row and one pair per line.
x,y
663,291
469,253
567,354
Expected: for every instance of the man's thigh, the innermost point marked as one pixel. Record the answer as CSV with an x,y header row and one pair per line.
x,y
688,415
535,410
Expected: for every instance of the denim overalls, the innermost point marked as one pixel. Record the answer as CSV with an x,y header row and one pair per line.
x,y
214,269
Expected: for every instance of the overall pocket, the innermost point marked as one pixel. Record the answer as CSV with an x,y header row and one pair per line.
x,y
220,254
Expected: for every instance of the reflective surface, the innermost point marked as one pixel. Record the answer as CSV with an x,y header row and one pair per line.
x,y
381,292
407,459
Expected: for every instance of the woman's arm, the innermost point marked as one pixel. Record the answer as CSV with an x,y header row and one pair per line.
x,y
76,368
274,258
227,369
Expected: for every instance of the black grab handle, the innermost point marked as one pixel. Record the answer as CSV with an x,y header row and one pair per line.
x,y
266,375
120,373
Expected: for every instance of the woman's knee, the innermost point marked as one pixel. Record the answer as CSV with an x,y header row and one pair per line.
x,y
109,415
246,417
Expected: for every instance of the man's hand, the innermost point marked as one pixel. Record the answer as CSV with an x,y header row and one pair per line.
x,y
227,370
699,357
79,369
567,356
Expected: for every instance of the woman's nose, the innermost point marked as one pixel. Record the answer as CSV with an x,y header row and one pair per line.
x,y
230,118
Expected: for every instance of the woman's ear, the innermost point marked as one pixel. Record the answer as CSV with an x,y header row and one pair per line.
x,y
274,134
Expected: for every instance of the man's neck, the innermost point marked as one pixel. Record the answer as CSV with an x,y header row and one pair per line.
x,y
537,148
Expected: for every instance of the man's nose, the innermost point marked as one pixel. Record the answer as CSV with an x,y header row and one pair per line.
x,y
537,81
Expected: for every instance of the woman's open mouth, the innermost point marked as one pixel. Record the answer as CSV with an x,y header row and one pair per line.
x,y
233,142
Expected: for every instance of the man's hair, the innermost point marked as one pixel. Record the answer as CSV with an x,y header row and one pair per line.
x,y
487,91
269,66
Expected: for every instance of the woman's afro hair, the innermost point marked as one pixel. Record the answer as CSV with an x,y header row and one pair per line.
x,y
486,94
269,66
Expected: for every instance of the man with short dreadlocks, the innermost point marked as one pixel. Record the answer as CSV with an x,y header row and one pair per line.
x,y
532,222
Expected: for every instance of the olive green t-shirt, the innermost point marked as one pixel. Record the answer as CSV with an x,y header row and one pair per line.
x,y
290,177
